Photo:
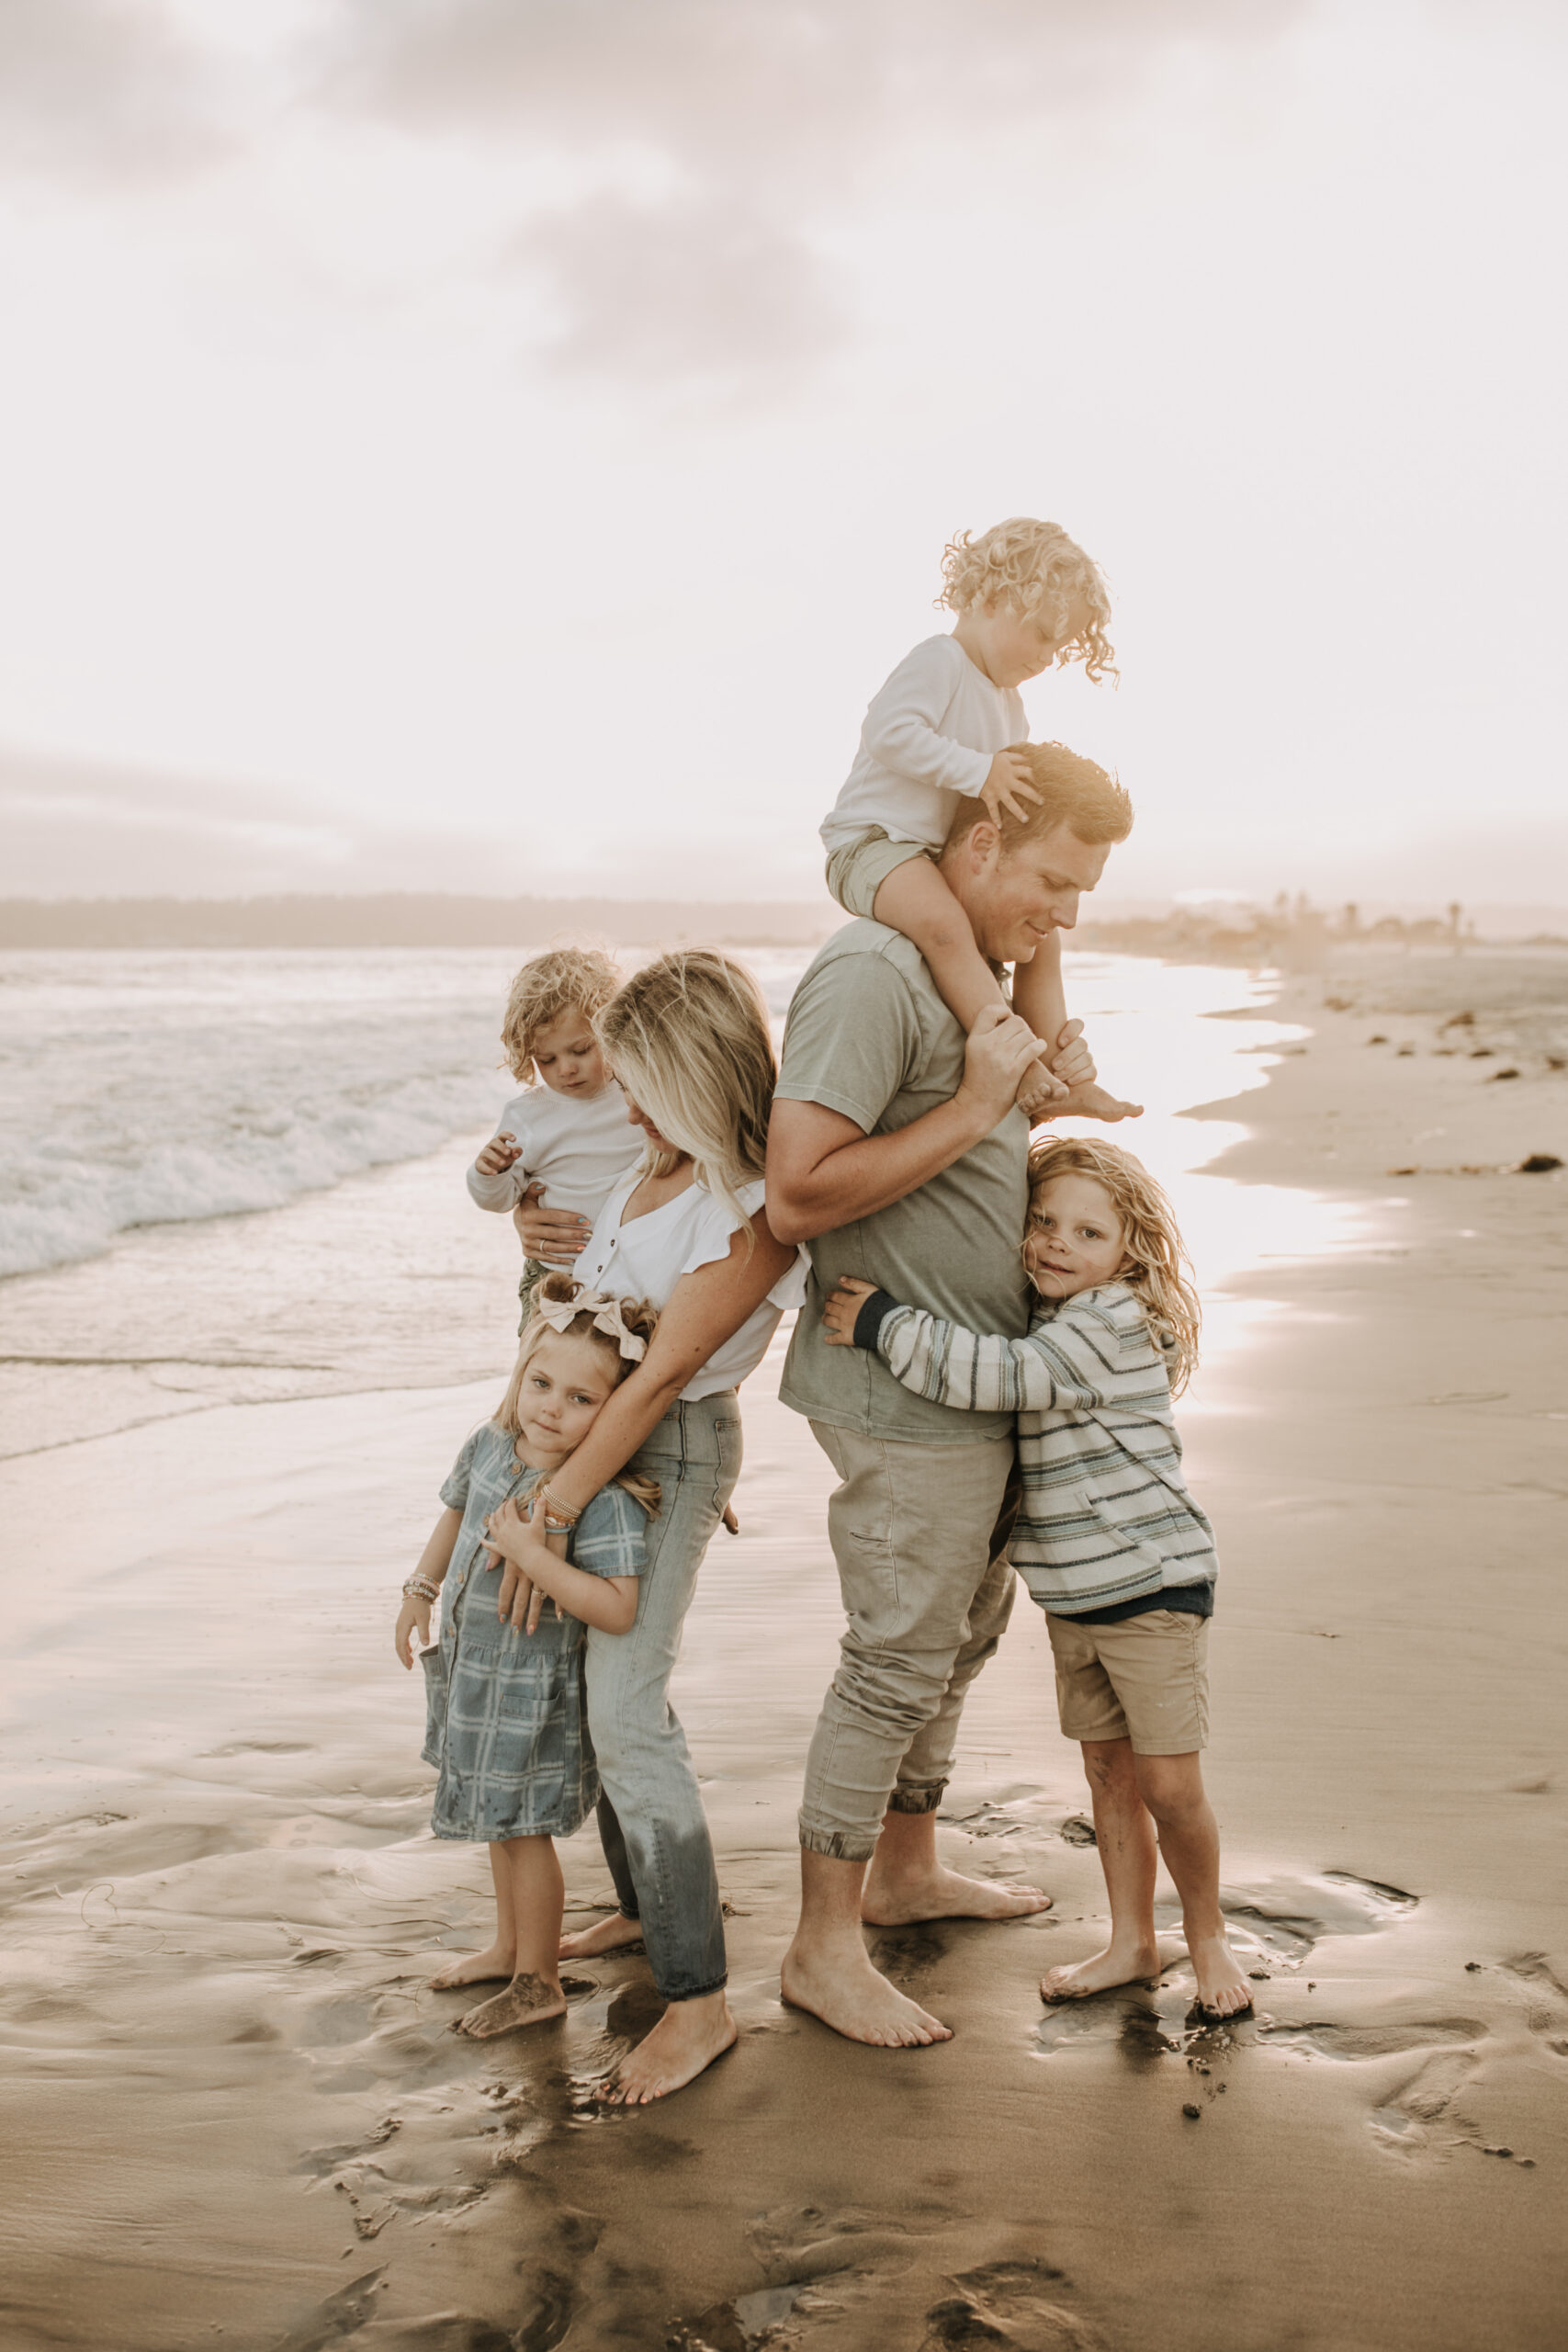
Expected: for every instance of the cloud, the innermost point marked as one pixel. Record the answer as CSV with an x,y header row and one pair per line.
x,y
102,89
728,137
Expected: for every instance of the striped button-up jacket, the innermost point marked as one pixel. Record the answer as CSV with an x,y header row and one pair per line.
x,y
1106,1515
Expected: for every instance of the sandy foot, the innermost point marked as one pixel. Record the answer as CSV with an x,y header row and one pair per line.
x,y
857,2001
475,1968
527,2000
1132,1963
1092,1102
1222,1987
687,2038
612,1934
944,1894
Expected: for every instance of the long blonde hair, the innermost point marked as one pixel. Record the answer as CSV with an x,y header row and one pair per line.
x,y
1159,1275
689,1040
638,1316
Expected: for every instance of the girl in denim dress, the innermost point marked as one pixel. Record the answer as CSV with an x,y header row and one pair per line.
x,y
505,1720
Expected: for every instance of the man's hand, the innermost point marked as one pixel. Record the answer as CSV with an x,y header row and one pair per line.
x,y
553,1235
1072,1062
1002,1047
1007,779
839,1314
498,1155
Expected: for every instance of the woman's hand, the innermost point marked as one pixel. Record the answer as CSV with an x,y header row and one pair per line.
x,y
553,1235
839,1313
412,1617
514,1539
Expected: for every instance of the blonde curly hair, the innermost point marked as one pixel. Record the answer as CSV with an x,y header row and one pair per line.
x,y
638,1316
567,979
1034,568
1158,1274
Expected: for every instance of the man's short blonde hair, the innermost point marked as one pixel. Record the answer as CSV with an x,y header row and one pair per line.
x,y
1034,569
567,979
1073,792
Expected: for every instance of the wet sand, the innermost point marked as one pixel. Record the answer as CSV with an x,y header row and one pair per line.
x,y
234,2114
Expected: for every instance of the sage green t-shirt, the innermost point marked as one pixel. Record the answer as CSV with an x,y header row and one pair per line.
x,y
869,1036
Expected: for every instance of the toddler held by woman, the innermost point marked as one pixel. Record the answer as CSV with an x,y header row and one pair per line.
x,y
507,1723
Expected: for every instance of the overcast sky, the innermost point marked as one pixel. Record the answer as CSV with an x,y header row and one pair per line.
x,y
496,444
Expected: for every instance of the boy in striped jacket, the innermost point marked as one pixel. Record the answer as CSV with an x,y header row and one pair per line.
x,y
1108,1541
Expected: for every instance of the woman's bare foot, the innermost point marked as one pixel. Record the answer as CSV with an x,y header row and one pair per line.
x,y
1091,1102
840,1986
527,2000
889,1901
475,1968
1222,1987
687,2038
1119,1964
612,1934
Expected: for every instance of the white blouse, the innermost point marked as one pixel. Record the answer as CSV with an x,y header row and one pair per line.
x,y
646,1258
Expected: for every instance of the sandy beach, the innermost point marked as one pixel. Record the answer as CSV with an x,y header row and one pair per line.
x,y
235,2114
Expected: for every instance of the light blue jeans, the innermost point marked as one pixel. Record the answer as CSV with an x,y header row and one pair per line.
x,y
651,1822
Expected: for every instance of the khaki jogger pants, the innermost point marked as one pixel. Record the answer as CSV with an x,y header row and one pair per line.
x,y
918,1531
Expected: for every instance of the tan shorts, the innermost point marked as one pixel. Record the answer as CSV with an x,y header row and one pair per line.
x,y
1146,1680
857,870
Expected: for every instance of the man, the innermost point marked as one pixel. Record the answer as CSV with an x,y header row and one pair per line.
x,y
896,1152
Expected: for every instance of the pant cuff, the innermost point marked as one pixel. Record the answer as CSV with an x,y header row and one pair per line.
x,y
698,1991
921,1796
839,1845
632,1914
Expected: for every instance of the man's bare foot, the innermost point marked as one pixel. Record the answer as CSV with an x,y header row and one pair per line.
x,y
1091,1102
1222,1987
475,1968
841,1987
1130,1964
943,1895
687,2038
527,2000
611,1934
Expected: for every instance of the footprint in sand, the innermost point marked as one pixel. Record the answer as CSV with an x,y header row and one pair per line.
x,y
906,1955
1017,2304
1420,2115
1547,2016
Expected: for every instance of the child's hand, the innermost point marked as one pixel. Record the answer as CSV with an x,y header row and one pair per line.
x,y
841,1309
1007,778
412,1617
498,1155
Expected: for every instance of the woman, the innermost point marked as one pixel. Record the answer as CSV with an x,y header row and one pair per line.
x,y
689,1042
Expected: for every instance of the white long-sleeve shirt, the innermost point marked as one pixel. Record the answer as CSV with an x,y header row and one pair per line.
x,y
578,1148
928,741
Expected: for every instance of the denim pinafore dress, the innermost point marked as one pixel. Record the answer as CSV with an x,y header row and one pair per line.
x,y
507,1723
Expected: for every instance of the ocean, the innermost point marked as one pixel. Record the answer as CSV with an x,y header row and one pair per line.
x,y
237,1177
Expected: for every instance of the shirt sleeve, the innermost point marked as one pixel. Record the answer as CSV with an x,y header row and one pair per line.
x,y
610,1539
901,729
852,1039
455,1492
1074,1361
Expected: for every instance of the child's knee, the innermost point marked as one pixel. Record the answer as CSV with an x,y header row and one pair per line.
x,y
1171,1786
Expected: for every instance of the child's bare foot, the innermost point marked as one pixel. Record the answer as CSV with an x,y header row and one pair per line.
x,y
1119,1964
475,1968
1040,1095
1091,1102
1222,1987
612,1934
527,2000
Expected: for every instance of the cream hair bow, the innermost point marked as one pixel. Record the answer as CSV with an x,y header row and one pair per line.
x,y
561,1313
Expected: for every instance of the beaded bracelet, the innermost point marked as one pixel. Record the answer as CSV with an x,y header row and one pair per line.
x,y
559,1516
419,1587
